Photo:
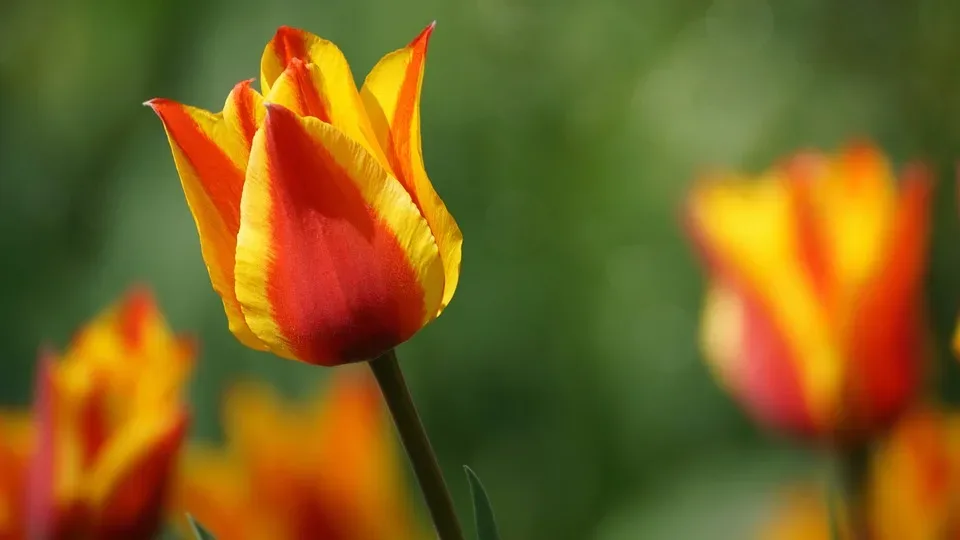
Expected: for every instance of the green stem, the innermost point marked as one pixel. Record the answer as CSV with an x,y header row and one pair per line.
x,y
853,477
414,437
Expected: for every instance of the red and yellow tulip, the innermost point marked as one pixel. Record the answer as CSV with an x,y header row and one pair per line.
x,y
319,226
813,315
108,424
16,438
914,489
324,468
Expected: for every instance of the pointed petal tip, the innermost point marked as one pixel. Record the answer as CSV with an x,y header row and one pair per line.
x,y
244,84
139,293
154,103
160,106
424,36
285,30
273,108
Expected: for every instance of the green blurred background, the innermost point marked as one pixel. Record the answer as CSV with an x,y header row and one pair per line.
x,y
562,135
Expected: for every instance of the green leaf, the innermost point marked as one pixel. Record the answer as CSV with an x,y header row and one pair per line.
x,y
198,531
482,510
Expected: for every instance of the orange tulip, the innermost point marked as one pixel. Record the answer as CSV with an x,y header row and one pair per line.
x,y
813,316
319,469
320,229
109,423
914,490
16,435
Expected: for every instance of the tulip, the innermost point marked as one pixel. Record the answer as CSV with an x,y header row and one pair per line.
x,y
813,314
16,436
318,224
913,493
323,468
109,422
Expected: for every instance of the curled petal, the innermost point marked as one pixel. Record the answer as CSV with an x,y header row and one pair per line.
x,y
334,261
391,95
210,152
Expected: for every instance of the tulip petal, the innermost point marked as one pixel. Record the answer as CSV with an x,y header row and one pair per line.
x,y
746,230
885,327
752,360
210,152
334,261
358,459
391,95
130,481
290,44
857,200
330,96
213,489
41,498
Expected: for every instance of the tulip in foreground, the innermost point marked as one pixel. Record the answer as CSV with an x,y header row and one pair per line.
x,y
319,226
325,468
813,315
109,422
914,491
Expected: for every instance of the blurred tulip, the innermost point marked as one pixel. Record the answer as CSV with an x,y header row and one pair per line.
x,y
320,469
320,229
16,436
109,423
813,315
914,491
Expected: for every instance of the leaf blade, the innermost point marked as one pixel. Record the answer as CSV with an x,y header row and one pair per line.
x,y
199,533
484,519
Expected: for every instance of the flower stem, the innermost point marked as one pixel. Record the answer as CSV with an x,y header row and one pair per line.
x,y
853,476
414,437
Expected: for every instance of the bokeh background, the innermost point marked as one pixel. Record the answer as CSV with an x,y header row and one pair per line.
x,y
562,135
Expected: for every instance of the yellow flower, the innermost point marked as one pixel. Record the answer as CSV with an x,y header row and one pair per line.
x,y
318,469
320,229
109,422
813,316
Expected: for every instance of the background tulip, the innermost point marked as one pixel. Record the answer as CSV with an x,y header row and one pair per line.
x,y
108,421
322,467
913,493
814,316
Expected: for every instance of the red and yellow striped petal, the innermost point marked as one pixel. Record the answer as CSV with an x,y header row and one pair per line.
x,y
334,261
746,231
16,445
306,90
885,334
288,44
391,95
915,470
751,358
210,152
129,484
